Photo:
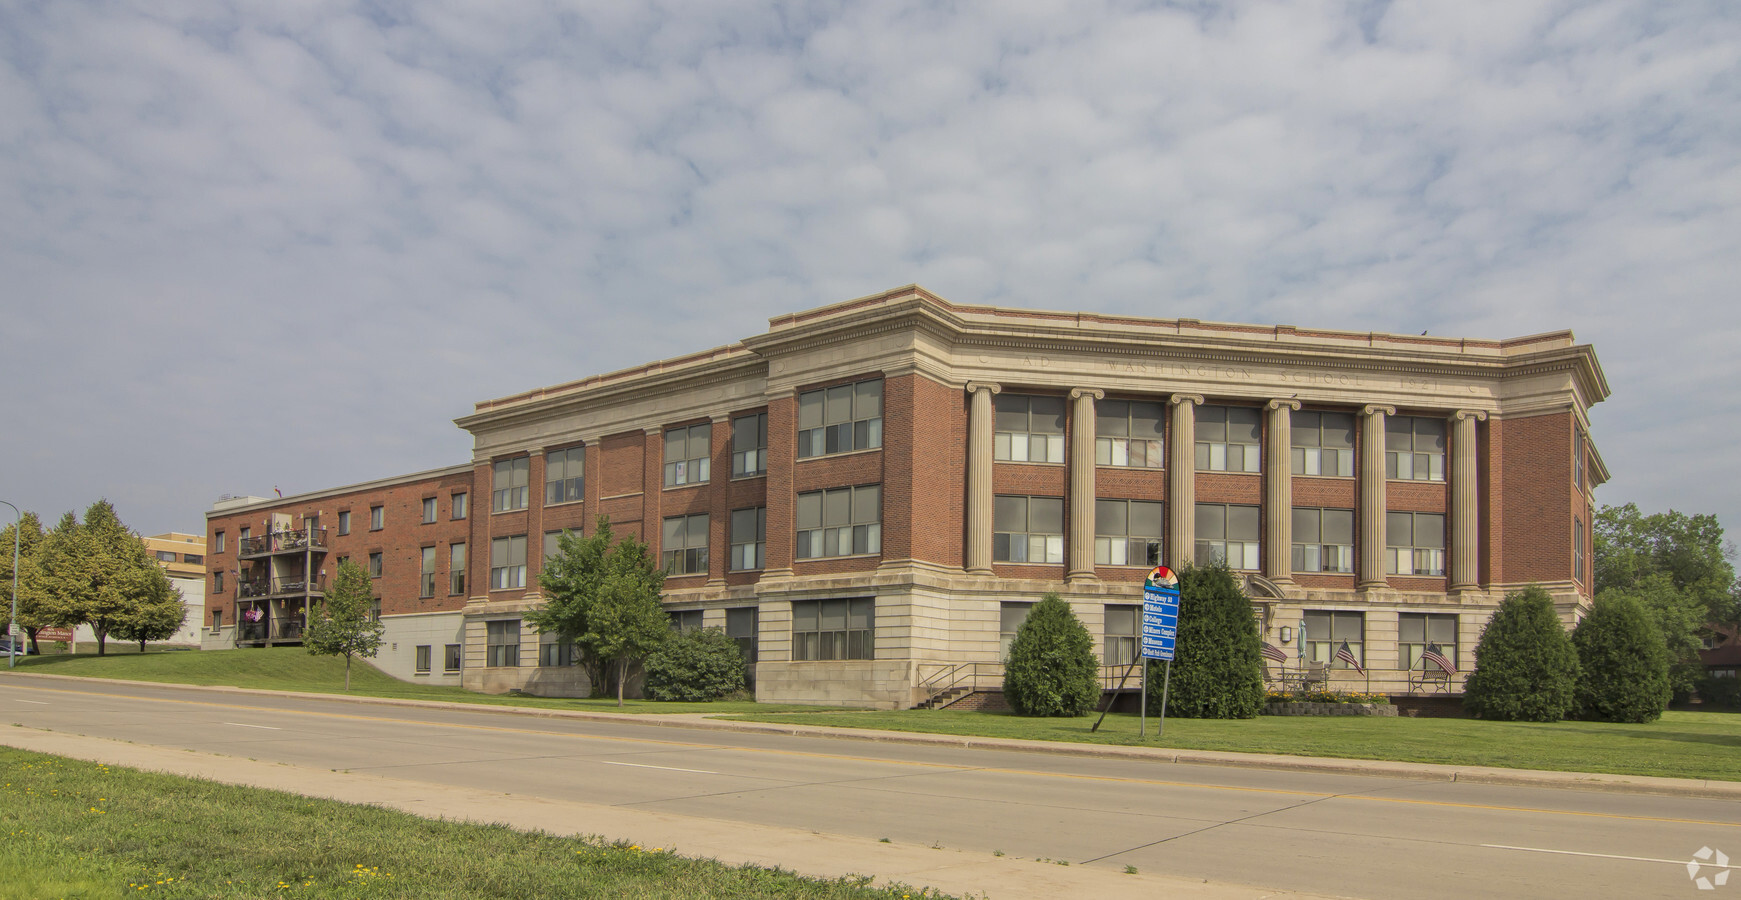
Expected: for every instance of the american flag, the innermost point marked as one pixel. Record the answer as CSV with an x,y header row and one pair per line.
x,y
1274,653
1437,657
1346,655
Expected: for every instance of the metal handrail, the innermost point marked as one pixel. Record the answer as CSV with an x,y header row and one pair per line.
x,y
284,541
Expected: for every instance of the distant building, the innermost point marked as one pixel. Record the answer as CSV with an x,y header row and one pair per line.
x,y
1720,651
870,496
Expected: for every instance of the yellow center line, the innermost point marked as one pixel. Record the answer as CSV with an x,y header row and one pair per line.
x,y
1112,779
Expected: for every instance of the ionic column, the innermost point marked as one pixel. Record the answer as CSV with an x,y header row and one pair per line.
x,y
979,498
1465,501
1081,566
1278,499
1182,480
1372,503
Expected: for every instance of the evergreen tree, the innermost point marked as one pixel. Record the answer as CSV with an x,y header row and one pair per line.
x,y
1217,667
1052,670
697,665
1623,667
1525,665
342,624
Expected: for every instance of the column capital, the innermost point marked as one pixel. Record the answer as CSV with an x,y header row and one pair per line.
x,y
1194,399
974,387
651,430
1479,415
1079,393
719,419
1290,403
1371,408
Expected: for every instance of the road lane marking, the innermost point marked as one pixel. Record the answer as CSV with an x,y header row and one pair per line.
x,y
1672,862
666,768
898,763
246,725
37,702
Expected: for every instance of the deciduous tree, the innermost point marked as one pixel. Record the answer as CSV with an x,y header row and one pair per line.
x,y
1678,567
95,573
341,625
605,596
31,607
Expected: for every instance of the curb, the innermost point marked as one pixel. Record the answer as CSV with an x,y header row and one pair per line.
x,y
1622,784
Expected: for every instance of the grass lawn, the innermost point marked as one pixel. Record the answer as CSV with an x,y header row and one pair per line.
x,y
295,669
1681,744
76,829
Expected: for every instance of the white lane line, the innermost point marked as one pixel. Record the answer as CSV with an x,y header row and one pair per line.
x,y
37,702
246,725
1672,862
666,768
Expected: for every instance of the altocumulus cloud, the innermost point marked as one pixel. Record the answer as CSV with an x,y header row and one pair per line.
x,y
283,244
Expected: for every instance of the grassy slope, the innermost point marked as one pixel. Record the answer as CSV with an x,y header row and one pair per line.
x,y
70,828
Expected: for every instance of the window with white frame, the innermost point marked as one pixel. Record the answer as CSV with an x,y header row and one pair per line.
x,y
1130,433
1414,543
1228,532
749,445
1027,429
508,563
1028,530
1229,439
840,522
834,629
509,485
689,455
456,568
1323,443
1414,448
749,538
840,419
1323,540
502,643
1128,532
1121,636
426,572
565,476
1327,630
683,545
1417,631
1011,614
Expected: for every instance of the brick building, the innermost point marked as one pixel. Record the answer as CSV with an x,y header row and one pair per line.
x,y
870,494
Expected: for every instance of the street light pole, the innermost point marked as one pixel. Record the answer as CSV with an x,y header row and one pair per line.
x,y
12,630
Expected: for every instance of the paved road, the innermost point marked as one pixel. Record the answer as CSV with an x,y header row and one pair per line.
x,y
1345,835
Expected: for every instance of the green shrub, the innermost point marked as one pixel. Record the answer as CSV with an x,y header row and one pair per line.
x,y
1217,669
696,665
1622,663
1720,693
1525,665
1052,670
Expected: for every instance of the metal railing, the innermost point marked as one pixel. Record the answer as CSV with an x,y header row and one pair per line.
x,y
938,679
271,587
289,541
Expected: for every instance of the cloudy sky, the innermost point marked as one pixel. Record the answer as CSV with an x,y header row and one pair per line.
x,y
284,244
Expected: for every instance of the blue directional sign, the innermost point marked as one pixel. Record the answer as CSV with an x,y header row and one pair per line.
x,y
1160,614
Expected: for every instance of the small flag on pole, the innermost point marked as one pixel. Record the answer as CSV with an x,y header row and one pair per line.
x,y
278,492
1437,657
1346,655
1273,653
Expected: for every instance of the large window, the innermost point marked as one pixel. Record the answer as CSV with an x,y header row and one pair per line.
x,y
1128,532
740,626
1228,533
1229,439
688,455
1130,433
508,563
1323,540
1010,618
841,419
840,522
565,476
749,445
1326,631
1121,636
1323,443
426,573
554,652
456,568
1414,543
510,484
1028,530
502,642
683,549
1028,429
834,629
686,619
749,538
1414,448
1417,631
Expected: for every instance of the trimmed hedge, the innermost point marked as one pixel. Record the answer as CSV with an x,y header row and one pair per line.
x,y
1525,665
1052,669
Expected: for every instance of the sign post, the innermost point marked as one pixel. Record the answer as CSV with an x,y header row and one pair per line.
x,y
1160,635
